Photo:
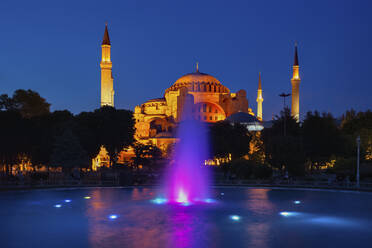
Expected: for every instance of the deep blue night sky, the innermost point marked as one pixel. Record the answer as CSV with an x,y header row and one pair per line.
x,y
53,47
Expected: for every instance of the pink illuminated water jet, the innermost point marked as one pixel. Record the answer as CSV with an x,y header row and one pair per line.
x,y
187,180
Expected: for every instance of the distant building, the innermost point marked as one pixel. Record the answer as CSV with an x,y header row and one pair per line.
x,y
208,99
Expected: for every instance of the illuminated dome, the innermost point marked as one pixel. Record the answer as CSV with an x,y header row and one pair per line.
x,y
199,82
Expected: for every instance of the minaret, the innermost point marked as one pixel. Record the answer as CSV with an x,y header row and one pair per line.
x,y
295,107
107,81
259,98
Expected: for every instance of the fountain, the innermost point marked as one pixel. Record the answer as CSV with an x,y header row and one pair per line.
x,y
187,179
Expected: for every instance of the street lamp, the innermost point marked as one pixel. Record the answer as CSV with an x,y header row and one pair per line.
x,y
358,151
284,95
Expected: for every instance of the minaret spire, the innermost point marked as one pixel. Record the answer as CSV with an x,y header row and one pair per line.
x,y
259,98
295,81
106,37
197,66
107,81
259,81
295,63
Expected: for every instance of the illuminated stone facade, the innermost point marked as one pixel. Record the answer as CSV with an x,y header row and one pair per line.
x,y
210,101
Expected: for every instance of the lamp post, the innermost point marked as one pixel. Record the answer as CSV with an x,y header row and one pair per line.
x,y
284,95
358,151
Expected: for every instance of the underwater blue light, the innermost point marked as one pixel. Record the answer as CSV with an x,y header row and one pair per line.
x,y
57,205
288,214
159,200
222,193
235,217
297,202
113,216
209,200
67,200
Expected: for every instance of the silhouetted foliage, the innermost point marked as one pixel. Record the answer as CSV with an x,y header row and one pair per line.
x,y
6,103
354,124
29,130
322,138
106,126
146,155
248,169
229,139
292,127
15,140
285,152
67,152
29,103
45,129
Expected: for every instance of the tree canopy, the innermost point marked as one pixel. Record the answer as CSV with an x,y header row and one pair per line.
x,y
229,139
29,103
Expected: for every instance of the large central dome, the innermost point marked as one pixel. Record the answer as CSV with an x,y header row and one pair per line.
x,y
199,82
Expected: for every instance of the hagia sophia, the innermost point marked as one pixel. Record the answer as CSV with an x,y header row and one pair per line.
x,y
210,100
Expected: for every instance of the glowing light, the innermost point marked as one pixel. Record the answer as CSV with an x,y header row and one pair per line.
x,y
235,217
288,214
222,193
113,216
67,200
297,202
182,197
159,200
87,197
57,205
209,200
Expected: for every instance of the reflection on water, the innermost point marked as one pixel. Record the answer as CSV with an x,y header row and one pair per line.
x,y
258,234
259,229
258,202
182,228
142,223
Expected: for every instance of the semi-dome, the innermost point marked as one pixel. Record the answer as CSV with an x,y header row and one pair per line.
x,y
199,82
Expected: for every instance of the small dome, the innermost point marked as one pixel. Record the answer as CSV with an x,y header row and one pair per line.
x,y
199,82
250,121
242,117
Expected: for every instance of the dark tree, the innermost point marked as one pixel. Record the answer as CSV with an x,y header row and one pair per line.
x,y
286,153
146,155
322,138
29,103
45,129
229,139
285,122
284,150
106,126
6,103
68,153
15,138
354,124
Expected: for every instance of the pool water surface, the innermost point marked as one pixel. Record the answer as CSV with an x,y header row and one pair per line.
x,y
138,217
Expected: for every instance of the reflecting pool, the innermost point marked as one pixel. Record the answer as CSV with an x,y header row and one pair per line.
x,y
231,217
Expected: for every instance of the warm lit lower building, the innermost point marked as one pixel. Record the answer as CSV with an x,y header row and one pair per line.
x,y
207,98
